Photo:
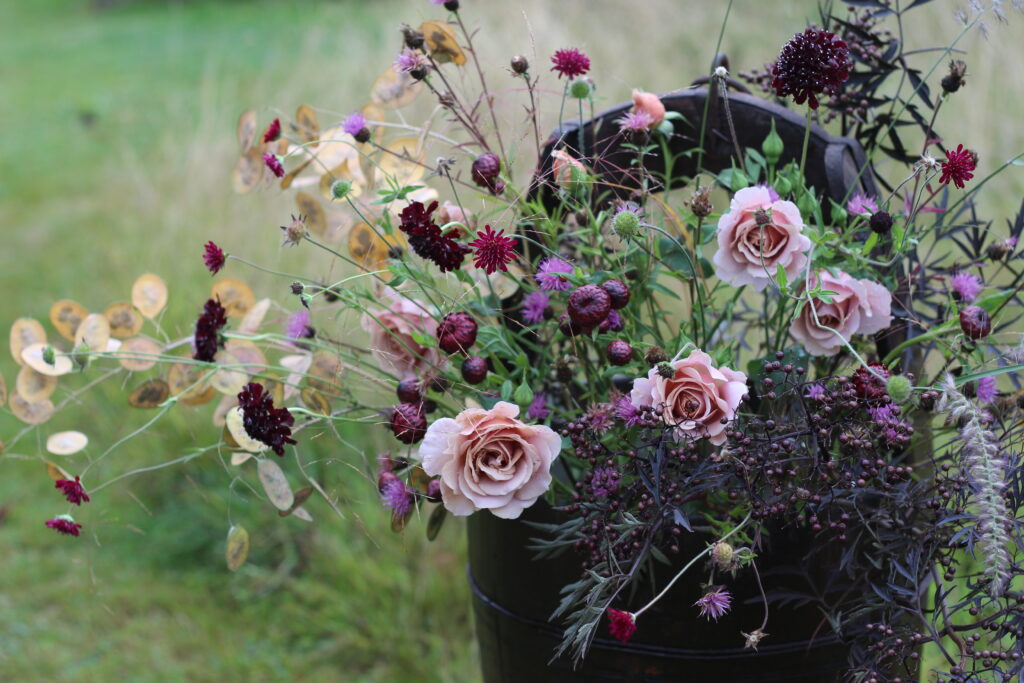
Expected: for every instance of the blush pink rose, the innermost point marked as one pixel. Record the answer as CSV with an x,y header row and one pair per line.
x,y
858,307
453,213
391,336
650,104
487,459
563,166
696,399
748,253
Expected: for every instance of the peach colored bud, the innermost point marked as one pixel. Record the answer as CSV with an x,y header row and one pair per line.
x,y
649,104
563,168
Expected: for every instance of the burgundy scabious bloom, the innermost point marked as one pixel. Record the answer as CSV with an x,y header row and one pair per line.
x,y
957,167
207,336
551,274
811,63
966,287
494,251
635,122
715,603
604,481
64,524
622,625
861,205
397,496
457,332
262,421
570,62
534,306
298,327
426,238
537,410
273,132
73,491
213,257
274,164
986,391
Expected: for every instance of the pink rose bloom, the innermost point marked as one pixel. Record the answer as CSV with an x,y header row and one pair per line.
x,y
858,307
453,213
748,253
696,398
487,459
650,104
391,336
563,166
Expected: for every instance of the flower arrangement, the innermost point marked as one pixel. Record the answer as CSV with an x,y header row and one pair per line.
x,y
758,355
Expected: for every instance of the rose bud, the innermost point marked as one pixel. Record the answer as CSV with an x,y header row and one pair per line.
x,y
655,355
619,352
408,423
975,322
567,327
618,291
485,171
409,390
589,305
474,370
457,332
520,64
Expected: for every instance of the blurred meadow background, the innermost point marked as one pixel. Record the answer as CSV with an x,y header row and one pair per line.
x,y
117,148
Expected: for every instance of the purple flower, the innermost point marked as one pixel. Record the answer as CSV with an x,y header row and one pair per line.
x,y
861,205
986,391
397,496
534,305
883,415
604,481
409,60
772,194
207,339
64,524
635,122
537,409
297,326
626,411
966,286
815,392
600,417
354,123
551,274
274,164
715,603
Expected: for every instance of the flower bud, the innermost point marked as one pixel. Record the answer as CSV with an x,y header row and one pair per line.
x,y
474,370
485,171
666,370
413,38
519,64
899,388
409,391
619,352
953,81
700,202
772,146
589,305
580,89
408,423
625,223
340,189
722,555
880,222
456,333
783,186
975,322
451,5
655,355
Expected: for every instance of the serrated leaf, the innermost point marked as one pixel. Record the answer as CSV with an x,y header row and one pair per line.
x,y
237,549
275,484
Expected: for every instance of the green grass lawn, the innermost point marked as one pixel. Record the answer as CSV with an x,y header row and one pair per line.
x,y
117,148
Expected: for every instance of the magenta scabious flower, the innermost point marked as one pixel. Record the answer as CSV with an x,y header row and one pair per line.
x,y
537,410
958,167
635,122
551,274
811,63
570,62
861,205
262,421
815,392
213,257
64,524
274,164
622,625
297,325
599,416
397,496
604,481
534,306
273,132
494,251
966,286
626,411
986,391
207,335
72,490
715,603
426,238
354,123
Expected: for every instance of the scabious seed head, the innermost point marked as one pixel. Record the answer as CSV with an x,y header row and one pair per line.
x,y
340,189
625,223
956,77
899,388
722,555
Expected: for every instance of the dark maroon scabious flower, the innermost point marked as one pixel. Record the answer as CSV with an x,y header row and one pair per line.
x,y
456,333
535,305
958,166
622,625
975,322
570,62
273,132
618,291
867,386
213,257
880,222
619,352
408,423
64,525
494,251
811,63
72,490
589,305
715,603
485,171
427,240
262,421
207,337
474,370
274,164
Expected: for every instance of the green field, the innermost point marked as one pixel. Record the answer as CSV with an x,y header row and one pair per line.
x,y
117,147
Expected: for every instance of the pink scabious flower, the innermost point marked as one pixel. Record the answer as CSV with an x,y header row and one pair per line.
x,y
635,122
297,326
967,287
538,410
72,490
64,524
490,460
958,167
811,63
861,205
622,625
570,62
551,274
397,496
857,307
534,306
715,603
494,251
274,164
649,104
213,257
758,235
986,391
354,123
273,132
696,399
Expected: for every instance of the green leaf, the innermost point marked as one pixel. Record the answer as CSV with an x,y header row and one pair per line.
x,y
869,244
506,390
781,277
422,339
